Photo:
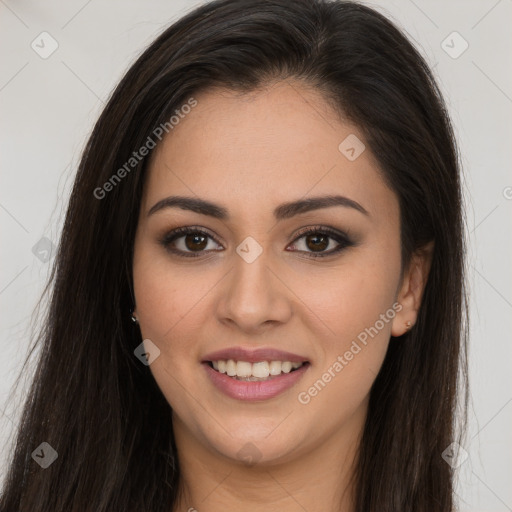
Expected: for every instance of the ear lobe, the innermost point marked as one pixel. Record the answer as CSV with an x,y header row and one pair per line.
x,y
412,288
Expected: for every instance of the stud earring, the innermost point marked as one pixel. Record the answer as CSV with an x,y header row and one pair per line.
x,y
134,318
408,325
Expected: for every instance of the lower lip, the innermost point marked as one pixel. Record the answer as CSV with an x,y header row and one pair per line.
x,y
254,391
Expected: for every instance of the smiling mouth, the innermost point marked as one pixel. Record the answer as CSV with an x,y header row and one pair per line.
x,y
254,372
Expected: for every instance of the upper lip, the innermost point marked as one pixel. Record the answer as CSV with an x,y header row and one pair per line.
x,y
253,355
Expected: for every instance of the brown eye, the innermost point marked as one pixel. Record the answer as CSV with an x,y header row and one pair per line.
x,y
196,242
315,241
188,242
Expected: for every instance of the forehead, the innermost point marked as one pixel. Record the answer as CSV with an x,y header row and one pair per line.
x,y
253,151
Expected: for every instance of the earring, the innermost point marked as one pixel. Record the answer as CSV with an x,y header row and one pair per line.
x,y
134,318
408,325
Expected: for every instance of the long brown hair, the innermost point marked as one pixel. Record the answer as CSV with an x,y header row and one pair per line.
x,y
93,401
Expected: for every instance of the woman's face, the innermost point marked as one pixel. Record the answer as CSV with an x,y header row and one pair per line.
x,y
254,284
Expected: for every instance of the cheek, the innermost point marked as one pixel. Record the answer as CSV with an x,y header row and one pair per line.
x,y
350,298
156,296
165,294
167,303
172,308
354,312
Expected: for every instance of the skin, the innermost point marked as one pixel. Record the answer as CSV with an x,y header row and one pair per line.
x,y
250,153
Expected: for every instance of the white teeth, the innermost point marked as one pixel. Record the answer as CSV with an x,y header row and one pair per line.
x,y
259,370
243,369
286,367
231,368
275,367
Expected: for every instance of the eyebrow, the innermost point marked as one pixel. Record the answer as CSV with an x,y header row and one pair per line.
x,y
283,211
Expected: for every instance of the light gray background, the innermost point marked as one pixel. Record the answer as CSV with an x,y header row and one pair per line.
x,y
48,107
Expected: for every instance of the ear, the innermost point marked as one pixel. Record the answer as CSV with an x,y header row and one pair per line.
x,y
411,289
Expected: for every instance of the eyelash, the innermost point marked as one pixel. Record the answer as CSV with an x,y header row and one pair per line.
x,y
340,237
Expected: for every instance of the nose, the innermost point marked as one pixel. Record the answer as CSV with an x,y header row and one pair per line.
x,y
254,297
